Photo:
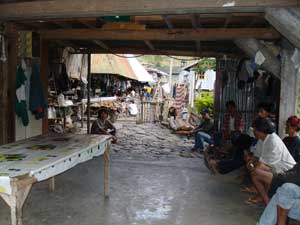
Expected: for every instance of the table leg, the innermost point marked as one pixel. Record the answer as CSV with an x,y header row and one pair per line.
x,y
106,160
52,184
65,121
82,114
16,201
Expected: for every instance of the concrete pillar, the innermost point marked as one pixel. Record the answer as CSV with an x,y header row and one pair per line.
x,y
288,90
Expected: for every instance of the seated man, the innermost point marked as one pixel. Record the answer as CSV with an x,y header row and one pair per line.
x,y
103,126
292,141
176,123
274,157
225,166
233,122
132,108
286,202
194,119
203,133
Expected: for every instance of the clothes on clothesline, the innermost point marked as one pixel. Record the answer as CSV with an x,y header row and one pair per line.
x,y
29,93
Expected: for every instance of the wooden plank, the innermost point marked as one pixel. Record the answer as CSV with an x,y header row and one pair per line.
x,y
216,53
162,34
227,21
51,184
198,46
106,160
44,77
150,45
20,191
11,83
101,44
194,21
87,24
168,22
85,8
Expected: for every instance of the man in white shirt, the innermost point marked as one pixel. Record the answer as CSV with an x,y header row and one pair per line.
x,y
132,109
273,158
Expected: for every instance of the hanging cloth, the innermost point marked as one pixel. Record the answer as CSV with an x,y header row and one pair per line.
x,y
37,102
20,105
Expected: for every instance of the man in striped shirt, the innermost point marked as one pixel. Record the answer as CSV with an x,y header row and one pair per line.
x,y
233,122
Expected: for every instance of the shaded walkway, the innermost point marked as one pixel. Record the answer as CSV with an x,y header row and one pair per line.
x,y
171,190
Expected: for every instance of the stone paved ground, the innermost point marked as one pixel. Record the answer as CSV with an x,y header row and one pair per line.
x,y
150,142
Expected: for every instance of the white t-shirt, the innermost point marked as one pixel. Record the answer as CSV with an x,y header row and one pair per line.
x,y
275,154
231,124
132,108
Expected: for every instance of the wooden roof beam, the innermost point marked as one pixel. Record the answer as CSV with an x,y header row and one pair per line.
x,y
168,22
162,34
194,21
150,45
101,44
66,44
215,53
227,21
92,8
86,24
198,46
62,25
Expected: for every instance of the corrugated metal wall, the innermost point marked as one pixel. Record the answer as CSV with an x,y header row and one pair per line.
x,y
244,99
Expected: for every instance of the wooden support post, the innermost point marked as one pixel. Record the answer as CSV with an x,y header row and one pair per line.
x,y
288,90
52,184
44,77
106,161
20,191
89,95
7,86
82,114
12,70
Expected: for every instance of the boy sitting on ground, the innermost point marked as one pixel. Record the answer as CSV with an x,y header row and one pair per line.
x,y
103,126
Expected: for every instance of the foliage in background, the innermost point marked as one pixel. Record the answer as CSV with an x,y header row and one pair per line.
x,y
205,101
206,64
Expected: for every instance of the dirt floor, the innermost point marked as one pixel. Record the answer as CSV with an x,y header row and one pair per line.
x,y
152,182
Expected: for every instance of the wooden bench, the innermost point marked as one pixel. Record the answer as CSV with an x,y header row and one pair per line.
x,y
41,158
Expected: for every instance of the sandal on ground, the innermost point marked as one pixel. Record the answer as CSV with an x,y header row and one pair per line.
x,y
248,190
254,200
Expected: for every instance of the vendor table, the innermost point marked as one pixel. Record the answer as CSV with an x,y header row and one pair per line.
x,y
40,158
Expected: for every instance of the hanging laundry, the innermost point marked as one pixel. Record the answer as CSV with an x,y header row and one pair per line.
x,y
62,81
180,97
37,102
20,105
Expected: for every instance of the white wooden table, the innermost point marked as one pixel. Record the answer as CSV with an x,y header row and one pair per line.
x,y
41,158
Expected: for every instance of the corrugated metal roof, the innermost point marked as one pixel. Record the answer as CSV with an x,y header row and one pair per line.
x,y
112,64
